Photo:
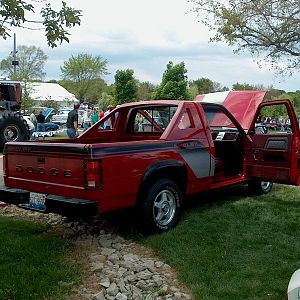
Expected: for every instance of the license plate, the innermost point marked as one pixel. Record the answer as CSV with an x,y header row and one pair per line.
x,y
37,202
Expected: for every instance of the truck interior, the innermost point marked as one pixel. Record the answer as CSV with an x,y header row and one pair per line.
x,y
228,142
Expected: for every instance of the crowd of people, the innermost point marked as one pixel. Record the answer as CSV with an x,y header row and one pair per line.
x,y
90,117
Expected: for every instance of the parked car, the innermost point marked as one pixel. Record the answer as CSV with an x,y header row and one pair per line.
x,y
293,290
62,116
49,126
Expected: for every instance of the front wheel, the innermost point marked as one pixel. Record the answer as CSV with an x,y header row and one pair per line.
x,y
161,206
260,187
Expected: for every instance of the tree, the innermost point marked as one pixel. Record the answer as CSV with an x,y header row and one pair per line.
x,y
27,100
174,83
205,86
270,28
246,86
243,87
126,88
93,94
51,103
55,23
105,100
31,59
82,70
145,90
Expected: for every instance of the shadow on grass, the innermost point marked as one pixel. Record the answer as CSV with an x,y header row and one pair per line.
x,y
124,222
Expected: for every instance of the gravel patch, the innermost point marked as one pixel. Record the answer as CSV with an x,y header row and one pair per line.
x,y
116,268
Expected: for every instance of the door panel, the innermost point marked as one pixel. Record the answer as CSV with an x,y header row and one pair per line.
x,y
269,157
273,154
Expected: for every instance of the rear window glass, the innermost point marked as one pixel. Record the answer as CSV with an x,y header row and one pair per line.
x,y
217,118
151,119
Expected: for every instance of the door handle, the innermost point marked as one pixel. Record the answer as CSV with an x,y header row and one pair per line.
x,y
255,152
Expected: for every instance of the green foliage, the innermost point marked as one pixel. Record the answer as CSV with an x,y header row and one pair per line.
x,y
97,87
275,112
81,71
174,83
246,86
205,85
270,29
294,97
145,90
192,91
55,23
243,86
27,101
126,87
275,93
105,100
51,103
32,61
92,95
232,246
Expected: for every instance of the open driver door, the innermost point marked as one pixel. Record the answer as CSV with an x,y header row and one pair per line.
x,y
273,148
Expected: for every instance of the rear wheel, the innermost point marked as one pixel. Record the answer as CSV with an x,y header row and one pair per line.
x,y
260,187
13,127
161,206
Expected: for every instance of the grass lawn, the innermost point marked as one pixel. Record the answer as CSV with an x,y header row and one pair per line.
x,y
233,246
33,265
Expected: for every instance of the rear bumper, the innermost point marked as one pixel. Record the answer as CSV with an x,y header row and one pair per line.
x,y
74,207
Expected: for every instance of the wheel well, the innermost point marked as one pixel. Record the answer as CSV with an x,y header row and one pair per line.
x,y
177,174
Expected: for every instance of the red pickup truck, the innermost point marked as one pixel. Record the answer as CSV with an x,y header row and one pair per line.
x,y
152,154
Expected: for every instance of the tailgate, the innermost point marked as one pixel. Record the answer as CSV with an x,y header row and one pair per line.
x,y
45,167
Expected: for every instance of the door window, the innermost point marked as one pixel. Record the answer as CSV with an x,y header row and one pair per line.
x,y
273,119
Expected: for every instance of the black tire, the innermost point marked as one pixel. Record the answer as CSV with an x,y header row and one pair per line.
x,y
161,206
258,187
13,127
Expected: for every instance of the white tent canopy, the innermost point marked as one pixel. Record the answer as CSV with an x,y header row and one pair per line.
x,y
42,91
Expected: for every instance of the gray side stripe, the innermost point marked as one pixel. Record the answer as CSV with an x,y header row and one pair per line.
x,y
200,161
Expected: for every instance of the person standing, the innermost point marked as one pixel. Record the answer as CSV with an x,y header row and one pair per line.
x,y
40,118
94,116
33,119
101,114
72,122
86,119
110,121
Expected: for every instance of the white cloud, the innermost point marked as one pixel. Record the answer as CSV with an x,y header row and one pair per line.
x,y
144,36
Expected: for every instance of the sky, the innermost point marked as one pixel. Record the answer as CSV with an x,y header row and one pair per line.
x,y
144,36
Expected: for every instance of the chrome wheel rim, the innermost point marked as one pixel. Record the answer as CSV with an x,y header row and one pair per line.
x,y
265,185
164,207
11,133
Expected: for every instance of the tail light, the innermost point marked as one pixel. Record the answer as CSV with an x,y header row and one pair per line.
x,y
93,174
